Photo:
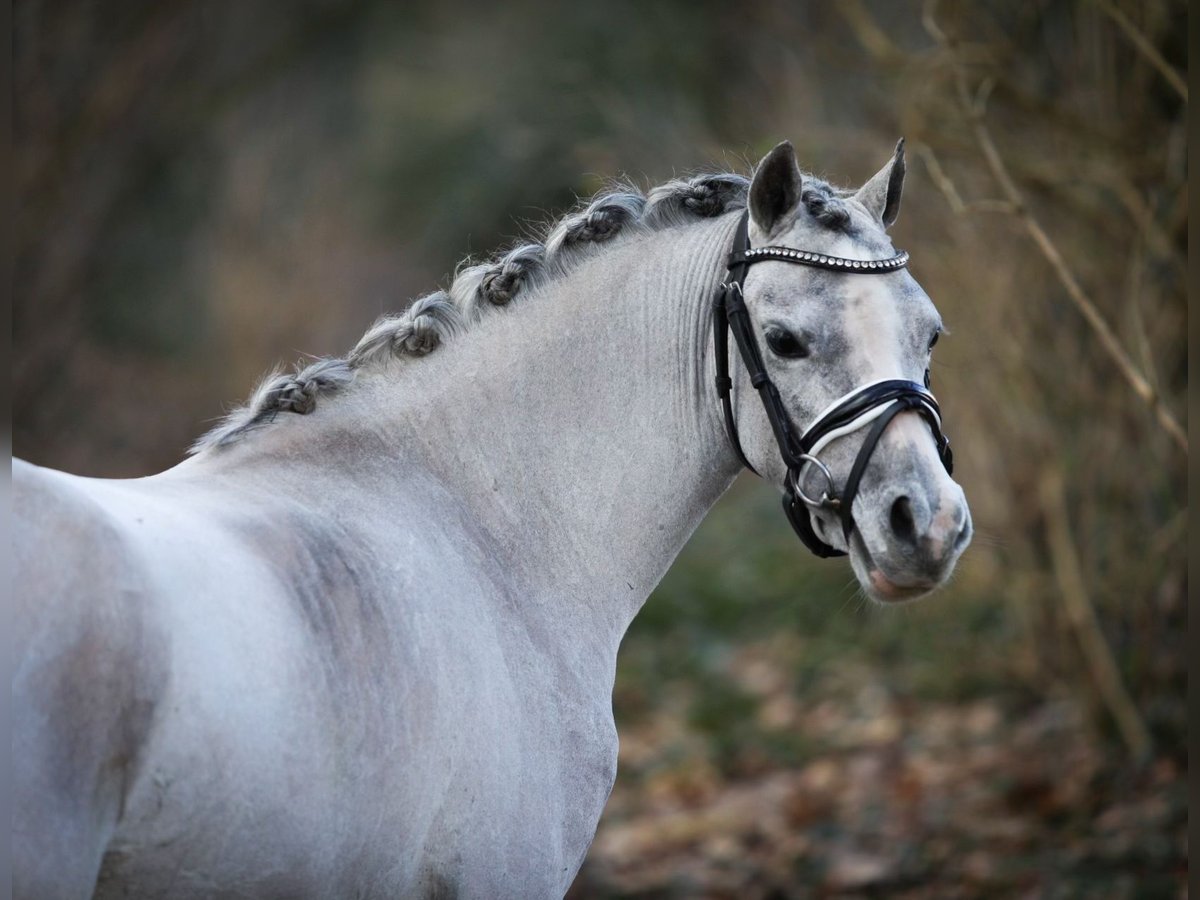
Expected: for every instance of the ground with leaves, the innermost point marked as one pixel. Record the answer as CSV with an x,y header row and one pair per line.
x,y
902,800
803,748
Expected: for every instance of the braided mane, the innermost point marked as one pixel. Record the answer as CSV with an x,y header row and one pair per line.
x,y
480,288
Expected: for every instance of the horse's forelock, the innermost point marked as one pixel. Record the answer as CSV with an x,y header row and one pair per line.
x,y
825,205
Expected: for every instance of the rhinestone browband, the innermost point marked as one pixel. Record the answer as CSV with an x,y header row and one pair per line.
x,y
824,261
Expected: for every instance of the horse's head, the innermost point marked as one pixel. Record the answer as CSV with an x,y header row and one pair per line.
x,y
823,333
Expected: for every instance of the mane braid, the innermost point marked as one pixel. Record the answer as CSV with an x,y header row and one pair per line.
x,y
480,288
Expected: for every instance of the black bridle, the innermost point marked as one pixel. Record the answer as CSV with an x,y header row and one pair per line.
x,y
875,404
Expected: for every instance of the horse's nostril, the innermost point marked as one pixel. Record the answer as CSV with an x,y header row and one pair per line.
x,y
964,532
903,525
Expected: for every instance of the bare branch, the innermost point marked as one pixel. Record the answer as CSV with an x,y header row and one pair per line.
x,y
939,177
1082,616
945,184
1143,216
982,94
1091,314
1147,49
869,34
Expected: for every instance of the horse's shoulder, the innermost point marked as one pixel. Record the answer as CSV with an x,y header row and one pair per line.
x,y
76,567
63,536
45,498
89,661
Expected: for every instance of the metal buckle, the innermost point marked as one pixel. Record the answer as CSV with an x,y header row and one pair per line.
x,y
829,498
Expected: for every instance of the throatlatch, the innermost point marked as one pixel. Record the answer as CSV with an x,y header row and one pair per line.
x,y
874,404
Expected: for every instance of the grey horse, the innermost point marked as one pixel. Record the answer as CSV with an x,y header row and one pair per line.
x,y
362,642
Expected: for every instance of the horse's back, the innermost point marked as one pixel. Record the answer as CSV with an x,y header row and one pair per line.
x,y
84,678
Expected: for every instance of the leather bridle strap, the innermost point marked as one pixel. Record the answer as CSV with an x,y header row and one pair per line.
x,y
850,489
730,314
724,382
726,300
850,413
862,405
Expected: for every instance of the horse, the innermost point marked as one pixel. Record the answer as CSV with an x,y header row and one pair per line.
x,y
362,641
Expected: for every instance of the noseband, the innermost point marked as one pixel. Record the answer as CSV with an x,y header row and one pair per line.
x,y
874,404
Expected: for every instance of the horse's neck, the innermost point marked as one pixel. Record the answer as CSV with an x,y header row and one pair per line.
x,y
580,427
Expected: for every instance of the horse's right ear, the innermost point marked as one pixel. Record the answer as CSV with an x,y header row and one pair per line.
x,y
881,195
775,190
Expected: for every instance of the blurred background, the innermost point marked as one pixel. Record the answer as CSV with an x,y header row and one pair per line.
x,y
205,189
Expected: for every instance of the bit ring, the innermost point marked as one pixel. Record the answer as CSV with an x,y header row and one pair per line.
x,y
829,498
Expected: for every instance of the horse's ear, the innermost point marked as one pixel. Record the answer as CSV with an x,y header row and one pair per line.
x,y
881,195
775,190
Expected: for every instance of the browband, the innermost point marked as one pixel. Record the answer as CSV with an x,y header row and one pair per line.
x,y
874,404
820,260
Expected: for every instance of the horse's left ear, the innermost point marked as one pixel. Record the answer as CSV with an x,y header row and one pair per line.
x,y
881,195
775,189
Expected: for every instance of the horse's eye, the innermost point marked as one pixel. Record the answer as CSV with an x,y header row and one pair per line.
x,y
933,340
783,343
